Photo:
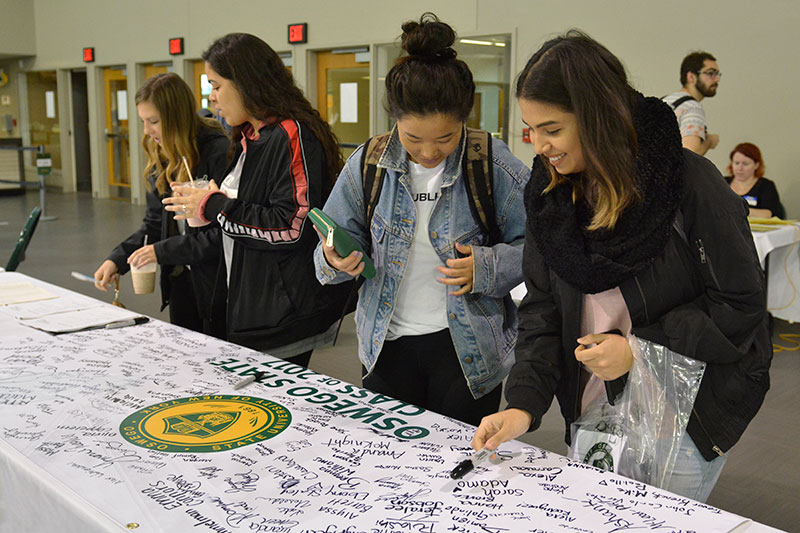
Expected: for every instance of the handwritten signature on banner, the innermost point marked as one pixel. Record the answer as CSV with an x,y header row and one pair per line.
x,y
348,460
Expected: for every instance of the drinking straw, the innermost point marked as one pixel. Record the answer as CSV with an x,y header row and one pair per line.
x,y
187,169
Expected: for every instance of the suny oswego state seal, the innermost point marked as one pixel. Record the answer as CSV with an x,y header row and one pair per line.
x,y
205,423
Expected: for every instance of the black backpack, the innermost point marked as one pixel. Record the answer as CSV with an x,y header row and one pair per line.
x,y
681,100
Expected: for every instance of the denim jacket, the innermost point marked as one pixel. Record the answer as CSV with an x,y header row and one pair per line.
x,y
482,323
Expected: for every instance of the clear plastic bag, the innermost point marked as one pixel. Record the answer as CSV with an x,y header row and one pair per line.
x,y
640,435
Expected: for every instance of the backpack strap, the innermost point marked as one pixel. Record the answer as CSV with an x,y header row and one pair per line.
x,y
479,181
372,183
681,100
371,175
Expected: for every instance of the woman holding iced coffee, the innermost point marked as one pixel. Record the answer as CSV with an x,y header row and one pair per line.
x,y
285,161
188,256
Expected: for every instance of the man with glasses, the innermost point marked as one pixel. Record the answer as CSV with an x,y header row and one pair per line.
x,y
700,77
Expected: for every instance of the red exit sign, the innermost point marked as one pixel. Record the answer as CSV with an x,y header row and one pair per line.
x,y
176,46
298,33
88,55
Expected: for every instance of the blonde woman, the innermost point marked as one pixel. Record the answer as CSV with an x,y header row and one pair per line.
x,y
173,130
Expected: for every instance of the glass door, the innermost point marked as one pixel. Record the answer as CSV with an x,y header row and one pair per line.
x,y
200,86
43,115
488,58
116,131
343,96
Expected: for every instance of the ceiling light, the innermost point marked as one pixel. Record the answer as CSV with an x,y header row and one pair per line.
x,y
470,41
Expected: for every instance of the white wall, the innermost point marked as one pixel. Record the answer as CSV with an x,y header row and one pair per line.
x,y
17,29
755,44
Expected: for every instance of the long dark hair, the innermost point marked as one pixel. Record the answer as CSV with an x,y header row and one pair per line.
x,y
429,80
268,90
580,75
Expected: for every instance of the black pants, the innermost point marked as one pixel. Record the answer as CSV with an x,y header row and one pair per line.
x,y
424,370
184,311
182,304
301,359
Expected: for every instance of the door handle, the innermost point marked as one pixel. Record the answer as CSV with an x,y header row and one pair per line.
x,y
110,135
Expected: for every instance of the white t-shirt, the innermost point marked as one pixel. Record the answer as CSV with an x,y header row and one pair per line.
x,y
690,114
230,186
421,305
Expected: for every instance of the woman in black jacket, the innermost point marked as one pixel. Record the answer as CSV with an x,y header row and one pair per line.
x,y
629,232
285,161
188,256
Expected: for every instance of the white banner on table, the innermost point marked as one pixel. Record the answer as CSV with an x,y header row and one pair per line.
x,y
85,409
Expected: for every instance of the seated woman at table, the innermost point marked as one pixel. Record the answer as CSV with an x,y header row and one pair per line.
x,y
285,160
629,234
188,256
747,180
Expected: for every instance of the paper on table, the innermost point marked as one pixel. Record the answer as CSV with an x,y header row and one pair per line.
x,y
760,228
15,293
60,304
81,319
775,221
758,224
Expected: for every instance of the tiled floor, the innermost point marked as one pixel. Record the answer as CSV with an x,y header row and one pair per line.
x,y
761,479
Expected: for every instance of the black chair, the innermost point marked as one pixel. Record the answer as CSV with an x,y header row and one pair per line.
x,y
18,255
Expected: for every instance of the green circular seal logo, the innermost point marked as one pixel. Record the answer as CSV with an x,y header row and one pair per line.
x,y
203,424
599,455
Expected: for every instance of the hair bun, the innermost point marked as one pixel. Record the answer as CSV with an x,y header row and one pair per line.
x,y
429,38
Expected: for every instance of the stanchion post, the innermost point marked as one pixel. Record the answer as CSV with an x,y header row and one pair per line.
x,y
43,170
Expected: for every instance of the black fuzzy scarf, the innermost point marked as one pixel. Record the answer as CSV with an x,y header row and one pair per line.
x,y
595,261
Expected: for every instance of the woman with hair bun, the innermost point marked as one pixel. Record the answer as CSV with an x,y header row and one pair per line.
x,y
746,178
436,324
173,130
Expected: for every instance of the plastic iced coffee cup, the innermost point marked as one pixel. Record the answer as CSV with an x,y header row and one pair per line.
x,y
201,183
144,278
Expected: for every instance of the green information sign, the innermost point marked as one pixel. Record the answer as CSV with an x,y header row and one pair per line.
x,y
43,164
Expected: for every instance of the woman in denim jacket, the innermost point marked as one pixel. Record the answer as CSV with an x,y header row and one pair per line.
x,y
436,325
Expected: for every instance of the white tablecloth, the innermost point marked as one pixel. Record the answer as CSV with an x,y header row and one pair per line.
x,y
779,253
93,425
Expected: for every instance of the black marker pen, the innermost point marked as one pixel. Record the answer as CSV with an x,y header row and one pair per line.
x,y
125,323
467,465
249,379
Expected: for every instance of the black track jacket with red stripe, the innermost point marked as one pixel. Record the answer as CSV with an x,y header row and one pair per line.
x,y
274,298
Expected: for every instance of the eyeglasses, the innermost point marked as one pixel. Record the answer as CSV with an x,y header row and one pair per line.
x,y
711,73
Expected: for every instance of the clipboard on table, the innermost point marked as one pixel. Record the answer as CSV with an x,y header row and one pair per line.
x,y
340,239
